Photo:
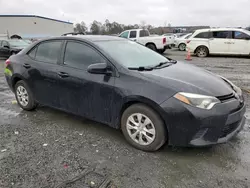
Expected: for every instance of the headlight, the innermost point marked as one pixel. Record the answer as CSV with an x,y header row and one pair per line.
x,y
199,101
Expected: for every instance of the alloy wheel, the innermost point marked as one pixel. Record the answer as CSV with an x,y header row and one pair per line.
x,y
22,96
182,47
201,52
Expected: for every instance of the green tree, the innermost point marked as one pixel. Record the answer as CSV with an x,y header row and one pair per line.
x,y
96,28
80,28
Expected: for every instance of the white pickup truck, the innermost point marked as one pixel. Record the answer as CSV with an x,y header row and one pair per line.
x,y
142,36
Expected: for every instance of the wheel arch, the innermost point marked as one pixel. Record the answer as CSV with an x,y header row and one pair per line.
x,y
129,101
182,43
201,46
150,43
15,78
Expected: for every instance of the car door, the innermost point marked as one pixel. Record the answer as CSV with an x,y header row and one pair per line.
x,y
42,72
82,93
220,42
5,49
240,43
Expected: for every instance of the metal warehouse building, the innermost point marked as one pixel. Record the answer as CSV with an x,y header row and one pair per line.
x,y
32,26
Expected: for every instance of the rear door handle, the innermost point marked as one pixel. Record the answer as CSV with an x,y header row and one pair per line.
x,y
26,65
63,74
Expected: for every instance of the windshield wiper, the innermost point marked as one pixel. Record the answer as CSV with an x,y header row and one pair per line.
x,y
163,64
141,68
158,66
172,60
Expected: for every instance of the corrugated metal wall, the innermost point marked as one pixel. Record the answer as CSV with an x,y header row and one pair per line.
x,y
33,27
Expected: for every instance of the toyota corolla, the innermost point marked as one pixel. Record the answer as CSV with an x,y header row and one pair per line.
x,y
153,99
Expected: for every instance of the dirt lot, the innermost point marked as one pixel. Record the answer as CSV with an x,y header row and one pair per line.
x,y
48,148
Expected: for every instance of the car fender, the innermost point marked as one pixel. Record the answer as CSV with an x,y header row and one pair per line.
x,y
133,99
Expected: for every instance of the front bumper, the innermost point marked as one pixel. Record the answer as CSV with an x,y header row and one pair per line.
x,y
229,131
191,126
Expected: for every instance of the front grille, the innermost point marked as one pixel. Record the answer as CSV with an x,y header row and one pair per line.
x,y
226,97
229,129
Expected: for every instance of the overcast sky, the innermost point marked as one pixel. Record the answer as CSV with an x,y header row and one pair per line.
x,y
155,12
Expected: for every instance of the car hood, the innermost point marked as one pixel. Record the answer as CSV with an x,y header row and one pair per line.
x,y
183,77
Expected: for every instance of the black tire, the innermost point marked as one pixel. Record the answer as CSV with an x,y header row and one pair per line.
x,y
152,47
202,51
162,51
182,47
159,127
31,104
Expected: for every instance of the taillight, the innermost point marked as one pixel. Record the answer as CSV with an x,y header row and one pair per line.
x,y
188,41
164,40
7,62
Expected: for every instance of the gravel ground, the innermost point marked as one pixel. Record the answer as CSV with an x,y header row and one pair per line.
x,y
48,148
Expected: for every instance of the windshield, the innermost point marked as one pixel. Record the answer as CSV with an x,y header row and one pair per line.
x,y
17,43
131,54
246,31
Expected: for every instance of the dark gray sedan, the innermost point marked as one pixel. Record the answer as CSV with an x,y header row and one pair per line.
x,y
151,98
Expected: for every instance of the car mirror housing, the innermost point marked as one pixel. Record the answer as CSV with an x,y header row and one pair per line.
x,y
99,68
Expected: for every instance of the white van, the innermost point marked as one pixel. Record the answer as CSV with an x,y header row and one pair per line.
x,y
228,41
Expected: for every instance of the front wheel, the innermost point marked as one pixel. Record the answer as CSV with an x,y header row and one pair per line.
x,y
24,96
143,128
202,51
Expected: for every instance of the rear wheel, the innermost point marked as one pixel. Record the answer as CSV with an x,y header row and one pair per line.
x,y
162,51
152,47
182,47
202,51
24,96
143,128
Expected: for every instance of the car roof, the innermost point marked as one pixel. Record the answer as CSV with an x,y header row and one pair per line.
x,y
134,30
90,38
220,29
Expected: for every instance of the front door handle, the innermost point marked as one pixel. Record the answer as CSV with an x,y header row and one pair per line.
x,y
26,65
63,74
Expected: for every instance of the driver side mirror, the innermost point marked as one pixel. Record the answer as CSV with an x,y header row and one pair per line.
x,y
100,68
6,46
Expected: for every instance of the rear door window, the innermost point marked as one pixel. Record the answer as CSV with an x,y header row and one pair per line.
x,y
80,56
48,52
144,33
132,34
32,53
222,34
